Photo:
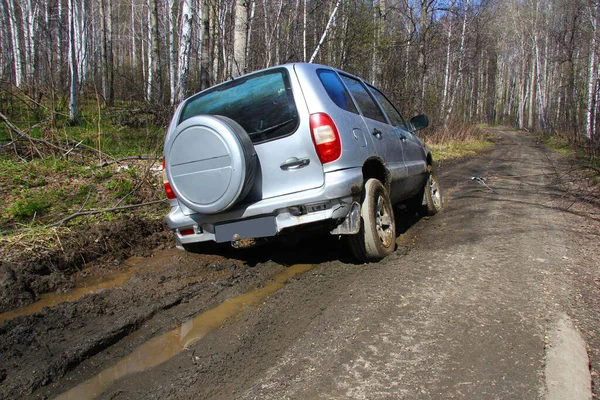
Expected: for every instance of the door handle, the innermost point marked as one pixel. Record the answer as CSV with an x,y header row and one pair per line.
x,y
294,163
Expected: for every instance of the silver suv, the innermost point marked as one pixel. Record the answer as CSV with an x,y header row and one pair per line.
x,y
292,147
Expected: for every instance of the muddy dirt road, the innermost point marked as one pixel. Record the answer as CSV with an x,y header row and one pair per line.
x,y
463,309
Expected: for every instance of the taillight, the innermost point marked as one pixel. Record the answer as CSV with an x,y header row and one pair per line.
x,y
326,138
168,190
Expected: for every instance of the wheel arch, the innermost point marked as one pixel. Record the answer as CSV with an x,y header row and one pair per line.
x,y
374,168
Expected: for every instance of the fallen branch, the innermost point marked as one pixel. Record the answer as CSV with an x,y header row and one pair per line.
x,y
597,170
128,158
19,132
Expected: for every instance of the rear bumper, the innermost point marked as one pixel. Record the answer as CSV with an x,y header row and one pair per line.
x,y
269,217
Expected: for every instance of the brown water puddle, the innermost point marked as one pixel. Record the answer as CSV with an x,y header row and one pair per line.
x,y
162,348
86,286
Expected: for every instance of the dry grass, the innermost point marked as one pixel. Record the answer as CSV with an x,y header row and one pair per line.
x,y
457,141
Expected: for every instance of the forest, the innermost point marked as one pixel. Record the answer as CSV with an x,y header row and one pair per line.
x,y
531,64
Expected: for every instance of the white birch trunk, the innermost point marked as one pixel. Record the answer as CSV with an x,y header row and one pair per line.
x,y
331,17
150,58
304,31
250,25
59,40
447,70
240,38
172,53
16,44
590,117
133,36
72,61
461,53
29,12
185,45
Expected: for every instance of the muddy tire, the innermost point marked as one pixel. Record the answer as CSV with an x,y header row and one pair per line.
x,y
377,236
433,194
211,163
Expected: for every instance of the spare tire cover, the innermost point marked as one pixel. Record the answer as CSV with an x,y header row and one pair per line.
x,y
211,163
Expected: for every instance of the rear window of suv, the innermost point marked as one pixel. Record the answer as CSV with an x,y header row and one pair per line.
x,y
262,104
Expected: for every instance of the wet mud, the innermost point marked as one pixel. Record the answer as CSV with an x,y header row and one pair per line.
x,y
162,348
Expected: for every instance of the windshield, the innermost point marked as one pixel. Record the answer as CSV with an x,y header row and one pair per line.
x,y
262,104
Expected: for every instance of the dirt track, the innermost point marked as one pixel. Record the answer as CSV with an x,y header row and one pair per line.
x,y
461,310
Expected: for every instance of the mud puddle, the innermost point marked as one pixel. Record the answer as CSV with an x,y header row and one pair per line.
x,y
86,286
162,348
92,284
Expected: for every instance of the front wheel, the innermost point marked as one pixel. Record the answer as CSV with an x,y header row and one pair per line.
x,y
433,194
377,236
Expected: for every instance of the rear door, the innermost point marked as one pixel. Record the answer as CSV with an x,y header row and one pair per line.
x,y
412,147
385,137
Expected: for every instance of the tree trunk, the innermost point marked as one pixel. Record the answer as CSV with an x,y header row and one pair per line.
x,y
185,45
16,44
331,17
205,62
590,119
107,51
132,32
240,37
173,87
250,25
154,71
72,62
446,70
461,52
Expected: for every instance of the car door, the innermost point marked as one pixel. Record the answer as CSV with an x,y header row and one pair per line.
x,y
412,147
382,134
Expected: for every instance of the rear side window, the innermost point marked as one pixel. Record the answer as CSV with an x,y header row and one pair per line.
x,y
262,104
394,116
336,90
365,102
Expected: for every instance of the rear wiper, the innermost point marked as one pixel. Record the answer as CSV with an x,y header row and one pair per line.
x,y
271,128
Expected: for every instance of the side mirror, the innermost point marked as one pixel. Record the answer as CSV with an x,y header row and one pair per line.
x,y
419,122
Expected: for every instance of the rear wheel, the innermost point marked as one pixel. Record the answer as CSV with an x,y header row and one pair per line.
x,y
377,236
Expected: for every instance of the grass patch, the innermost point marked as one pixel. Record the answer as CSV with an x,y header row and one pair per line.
x,y
41,192
557,144
456,150
459,141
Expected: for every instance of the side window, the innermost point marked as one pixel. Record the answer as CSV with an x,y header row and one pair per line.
x,y
393,114
366,103
336,90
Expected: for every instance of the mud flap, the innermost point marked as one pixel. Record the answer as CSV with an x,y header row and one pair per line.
x,y
351,224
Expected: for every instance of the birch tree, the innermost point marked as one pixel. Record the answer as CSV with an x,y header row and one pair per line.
x,y
592,78
185,44
459,73
73,63
331,17
15,36
154,93
173,68
107,51
240,38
